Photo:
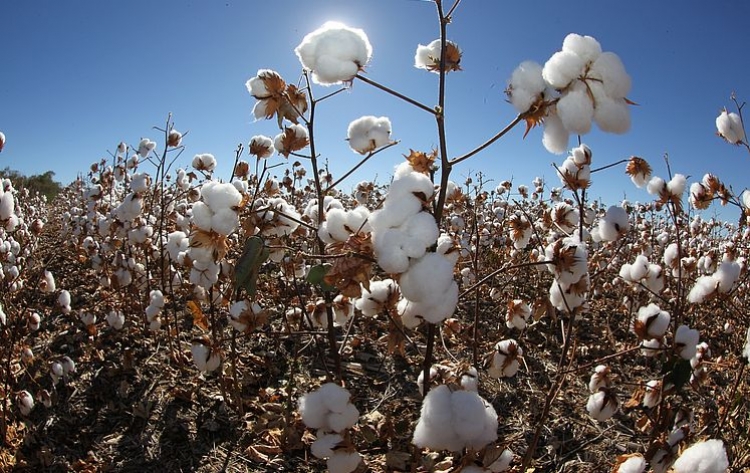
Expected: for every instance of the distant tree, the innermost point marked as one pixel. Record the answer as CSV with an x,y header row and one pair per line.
x,y
42,183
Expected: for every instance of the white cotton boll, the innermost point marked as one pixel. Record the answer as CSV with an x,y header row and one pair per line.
x,y
634,464
427,278
676,186
555,137
442,306
652,396
56,372
727,274
434,429
7,205
410,184
25,402
68,366
562,68
140,182
423,229
339,421
729,127
576,110
204,162
334,53
388,245
368,133
343,462
639,268
655,185
526,85
652,347
654,320
64,298
427,55
49,282
709,456
204,358
469,379
225,221
202,215
474,419
704,287
601,405
324,445
612,116
686,340
334,228
587,47
220,196
614,223
312,408
600,379
614,78
34,321
116,319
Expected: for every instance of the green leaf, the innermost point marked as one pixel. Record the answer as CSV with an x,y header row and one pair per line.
x,y
317,274
254,254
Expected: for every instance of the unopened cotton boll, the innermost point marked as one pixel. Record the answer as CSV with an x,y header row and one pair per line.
x,y
369,133
334,52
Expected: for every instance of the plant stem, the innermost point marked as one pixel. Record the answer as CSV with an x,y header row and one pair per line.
x,y
395,94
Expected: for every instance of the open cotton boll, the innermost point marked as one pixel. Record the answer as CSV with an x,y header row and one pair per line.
x,y
343,461
205,162
334,228
145,146
727,274
704,287
576,110
474,419
48,282
729,127
555,136
562,68
64,298
220,195
334,53
426,278
225,221
614,224
709,456
655,185
608,68
323,446
526,85
586,47
676,185
612,115
600,378
116,319
368,133
633,464
7,205
602,405
505,359
651,322
686,340
434,429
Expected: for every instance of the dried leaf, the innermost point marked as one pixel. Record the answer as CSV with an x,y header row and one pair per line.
x,y
199,318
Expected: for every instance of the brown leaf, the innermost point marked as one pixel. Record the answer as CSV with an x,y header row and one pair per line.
x,y
199,318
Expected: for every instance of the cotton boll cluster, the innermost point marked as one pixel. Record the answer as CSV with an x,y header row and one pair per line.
x,y
329,409
453,420
217,210
708,456
428,57
400,228
505,359
577,86
154,309
368,133
205,356
429,287
729,126
720,282
334,53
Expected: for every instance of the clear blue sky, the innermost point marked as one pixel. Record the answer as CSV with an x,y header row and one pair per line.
x,y
76,78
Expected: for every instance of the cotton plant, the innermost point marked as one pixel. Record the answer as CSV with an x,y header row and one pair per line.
x,y
578,86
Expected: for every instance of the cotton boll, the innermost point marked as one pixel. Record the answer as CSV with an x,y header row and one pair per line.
x,y
343,461
676,186
225,221
474,420
116,319
614,224
704,287
25,402
562,68
612,115
204,162
56,372
587,47
314,413
608,67
686,341
709,456
555,137
324,445
526,85
334,228
368,133
727,274
652,397
600,379
339,421
651,322
68,366
426,278
639,269
576,110
729,127
602,405
434,429
437,310
656,185
633,464
334,52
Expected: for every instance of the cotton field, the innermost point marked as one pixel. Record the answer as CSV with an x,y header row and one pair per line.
x,y
158,315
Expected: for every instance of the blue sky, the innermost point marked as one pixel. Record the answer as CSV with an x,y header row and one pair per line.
x,y
76,78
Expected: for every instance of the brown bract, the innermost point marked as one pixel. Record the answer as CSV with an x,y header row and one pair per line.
x,y
421,161
216,242
290,142
638,167
452,59
351,272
